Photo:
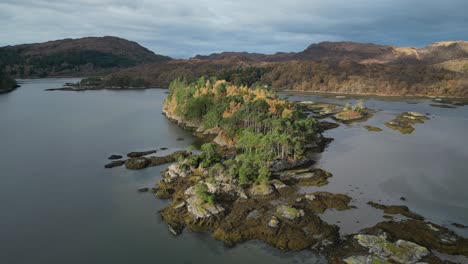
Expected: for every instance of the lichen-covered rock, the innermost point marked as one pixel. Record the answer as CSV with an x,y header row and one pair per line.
x,y
274,222
278,184
289,212
401,251
369,259
199,209
261,190
175,171
429,235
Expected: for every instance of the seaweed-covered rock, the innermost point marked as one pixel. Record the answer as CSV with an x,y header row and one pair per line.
x,y
138,154
396,209
404,122
137,163
155,161
319,202
306,177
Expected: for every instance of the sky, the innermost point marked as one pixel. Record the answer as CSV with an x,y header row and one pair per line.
x,y
182,29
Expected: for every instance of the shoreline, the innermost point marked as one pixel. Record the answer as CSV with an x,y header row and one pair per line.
x,y
369,95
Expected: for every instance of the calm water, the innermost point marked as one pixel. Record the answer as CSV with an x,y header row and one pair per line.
x,y
429,167
59,205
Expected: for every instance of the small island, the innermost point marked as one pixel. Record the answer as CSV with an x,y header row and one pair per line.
x,y
244,184
7,84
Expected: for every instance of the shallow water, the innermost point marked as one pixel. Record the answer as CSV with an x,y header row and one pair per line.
x,y
58,203
428,167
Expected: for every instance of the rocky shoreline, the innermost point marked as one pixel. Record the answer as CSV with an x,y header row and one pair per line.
x,y
279,215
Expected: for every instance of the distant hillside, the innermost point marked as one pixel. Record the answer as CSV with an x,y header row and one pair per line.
x,y
440,69
74,57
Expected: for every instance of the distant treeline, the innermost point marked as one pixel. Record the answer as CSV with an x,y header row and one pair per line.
x,y
336,77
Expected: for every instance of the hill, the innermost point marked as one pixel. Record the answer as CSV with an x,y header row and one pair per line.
x,y
74,57
440,69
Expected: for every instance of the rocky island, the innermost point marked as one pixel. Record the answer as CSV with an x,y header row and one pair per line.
x,y
246,183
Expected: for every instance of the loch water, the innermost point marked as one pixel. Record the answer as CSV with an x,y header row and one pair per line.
x,y
59,204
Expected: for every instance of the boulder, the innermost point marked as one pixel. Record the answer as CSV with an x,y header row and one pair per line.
x,y
273,222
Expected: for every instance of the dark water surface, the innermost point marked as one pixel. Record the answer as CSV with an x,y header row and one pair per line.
x,y
59,205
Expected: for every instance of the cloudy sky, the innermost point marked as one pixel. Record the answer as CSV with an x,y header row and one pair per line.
x,y
184,28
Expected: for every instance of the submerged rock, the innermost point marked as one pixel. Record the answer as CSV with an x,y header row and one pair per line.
x,y
138,154
372,128
396,209
113,164
115,157
459,225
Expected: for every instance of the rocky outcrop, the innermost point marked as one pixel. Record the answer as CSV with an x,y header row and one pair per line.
x,y
401,251
143,162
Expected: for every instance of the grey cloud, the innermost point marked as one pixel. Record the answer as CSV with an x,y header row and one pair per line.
x,y
185,28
